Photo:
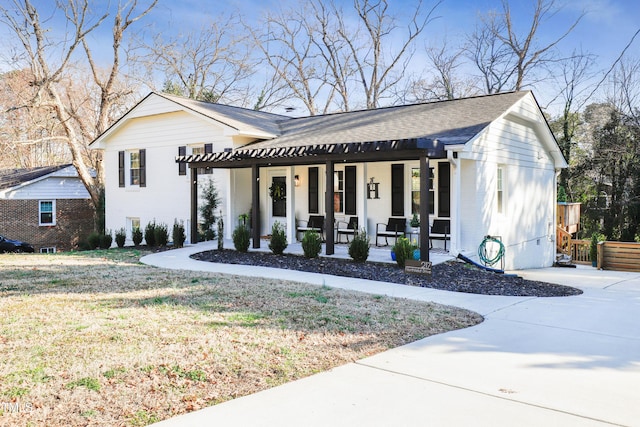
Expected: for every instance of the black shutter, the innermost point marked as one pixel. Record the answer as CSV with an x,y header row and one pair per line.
x,y
208,148
397,190
313,190
350,190
444,190
120,168
182,167
143,168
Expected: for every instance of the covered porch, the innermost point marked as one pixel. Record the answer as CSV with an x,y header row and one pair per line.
x,y
327,156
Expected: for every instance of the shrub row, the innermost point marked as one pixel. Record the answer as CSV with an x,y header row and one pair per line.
x,y
154,235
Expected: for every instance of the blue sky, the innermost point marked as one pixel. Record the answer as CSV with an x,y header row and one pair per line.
x,y
604,31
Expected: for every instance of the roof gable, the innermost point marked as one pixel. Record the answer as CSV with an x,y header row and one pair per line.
x,y
242,121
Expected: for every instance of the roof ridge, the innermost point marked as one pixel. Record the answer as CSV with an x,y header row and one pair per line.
x,y
438,101
185,98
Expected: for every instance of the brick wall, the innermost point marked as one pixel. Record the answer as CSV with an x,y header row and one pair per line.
x,y
74,221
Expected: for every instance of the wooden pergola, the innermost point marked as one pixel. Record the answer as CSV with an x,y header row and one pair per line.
x,y
421,149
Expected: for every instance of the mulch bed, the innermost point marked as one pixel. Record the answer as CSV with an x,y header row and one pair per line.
x,y
451,276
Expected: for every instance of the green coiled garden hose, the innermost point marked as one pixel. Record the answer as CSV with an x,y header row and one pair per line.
x,y
485,256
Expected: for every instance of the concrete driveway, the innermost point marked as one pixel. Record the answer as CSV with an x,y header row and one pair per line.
x,y
533,361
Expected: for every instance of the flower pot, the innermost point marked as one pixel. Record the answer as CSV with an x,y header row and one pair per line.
x,y
393,256
415,230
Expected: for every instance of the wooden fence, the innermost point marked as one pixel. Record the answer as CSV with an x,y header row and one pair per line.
x,y
580,251
623,256
620,256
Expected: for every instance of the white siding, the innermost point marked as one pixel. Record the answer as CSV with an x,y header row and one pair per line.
x,y
154,105
62,184
50,188
526,225
166,196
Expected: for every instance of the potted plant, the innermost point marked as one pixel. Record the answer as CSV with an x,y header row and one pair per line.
x,y
415,223
244,219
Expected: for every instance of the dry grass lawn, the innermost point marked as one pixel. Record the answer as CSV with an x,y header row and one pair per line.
x,y
96,338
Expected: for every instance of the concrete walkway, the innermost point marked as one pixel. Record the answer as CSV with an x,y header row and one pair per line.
x,y
572,361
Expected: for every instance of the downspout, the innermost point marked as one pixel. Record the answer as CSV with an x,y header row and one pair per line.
x,y
452,157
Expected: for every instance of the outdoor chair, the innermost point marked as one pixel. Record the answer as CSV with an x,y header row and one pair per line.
x,y
347,228
440,231
315,223
395,227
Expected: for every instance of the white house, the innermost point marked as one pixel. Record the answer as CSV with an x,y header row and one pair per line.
x,y
48,207
483,165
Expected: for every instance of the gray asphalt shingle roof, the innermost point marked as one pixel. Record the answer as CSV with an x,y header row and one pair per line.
x,y
12,177
241,119
451,122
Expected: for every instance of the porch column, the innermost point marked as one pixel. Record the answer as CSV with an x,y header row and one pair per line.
x,y
424,208
255,205
291,205
363,217
194,206
328,203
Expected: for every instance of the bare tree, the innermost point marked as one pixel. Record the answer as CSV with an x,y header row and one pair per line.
x,y
54,82
378,72
575,71
24,21
444,81
508,59
28,136
288,47
212,64
107,80
492,58
346,56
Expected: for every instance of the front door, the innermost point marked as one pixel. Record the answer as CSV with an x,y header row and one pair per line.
x,y
278,200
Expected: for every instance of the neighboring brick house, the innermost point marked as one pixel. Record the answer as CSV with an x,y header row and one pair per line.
x,y
48,207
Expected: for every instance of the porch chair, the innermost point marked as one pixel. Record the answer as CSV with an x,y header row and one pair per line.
x,y
395,227
440,231
347,229
315,223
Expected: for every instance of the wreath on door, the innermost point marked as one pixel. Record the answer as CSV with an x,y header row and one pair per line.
x,y
278,191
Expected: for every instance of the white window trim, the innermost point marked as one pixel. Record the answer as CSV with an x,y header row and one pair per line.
x,y
131,221
501,202
128,175
53,213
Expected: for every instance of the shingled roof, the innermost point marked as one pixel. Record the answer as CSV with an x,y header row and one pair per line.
x,y
14,177
407,127
242,119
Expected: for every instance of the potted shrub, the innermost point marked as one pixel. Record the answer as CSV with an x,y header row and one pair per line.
x,y
415,224
278,241
403,250
359,246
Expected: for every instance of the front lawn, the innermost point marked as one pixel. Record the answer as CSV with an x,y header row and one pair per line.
x,y
95,338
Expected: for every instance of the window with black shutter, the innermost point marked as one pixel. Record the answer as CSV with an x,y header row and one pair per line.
x,y
350,190
208,149
143,167
397,190
120,168
313,190
444,190
182,167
